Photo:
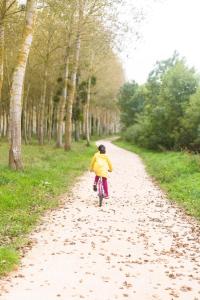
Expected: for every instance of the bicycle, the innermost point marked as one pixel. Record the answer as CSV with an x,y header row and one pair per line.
x,y
101,192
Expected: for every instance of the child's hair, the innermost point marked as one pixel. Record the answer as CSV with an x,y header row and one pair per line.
x,y
102,149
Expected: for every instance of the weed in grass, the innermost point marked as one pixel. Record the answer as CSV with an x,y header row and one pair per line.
x,y
8,259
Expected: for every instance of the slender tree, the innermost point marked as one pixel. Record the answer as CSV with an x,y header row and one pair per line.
x,y
63,98
15,159
72,89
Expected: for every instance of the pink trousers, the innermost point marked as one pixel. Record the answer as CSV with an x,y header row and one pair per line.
x,y
105,184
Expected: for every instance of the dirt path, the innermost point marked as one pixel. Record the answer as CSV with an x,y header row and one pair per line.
x,y
138,246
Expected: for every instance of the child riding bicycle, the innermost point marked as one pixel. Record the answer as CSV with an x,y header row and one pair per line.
x,y
101,164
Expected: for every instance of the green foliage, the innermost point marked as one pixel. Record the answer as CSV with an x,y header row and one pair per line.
x,y
82,91
59,80
161,67
131,101
93,80
178,173
190,124
81,98
25,195
162,109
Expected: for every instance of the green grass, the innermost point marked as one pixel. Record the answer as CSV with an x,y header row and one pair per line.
x,y
178,174
25,195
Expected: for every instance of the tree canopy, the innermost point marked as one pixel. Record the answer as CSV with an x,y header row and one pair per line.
x,y
49,51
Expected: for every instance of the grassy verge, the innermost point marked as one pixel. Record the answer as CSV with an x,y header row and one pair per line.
x,y
178,173
26,195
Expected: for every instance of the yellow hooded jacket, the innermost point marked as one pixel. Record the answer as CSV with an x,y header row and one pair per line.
x,y
101,164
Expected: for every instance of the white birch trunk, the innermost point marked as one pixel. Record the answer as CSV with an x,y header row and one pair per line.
x,y
15,159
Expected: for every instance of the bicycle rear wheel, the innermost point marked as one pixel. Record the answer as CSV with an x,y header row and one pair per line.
x,y
100,200
101,191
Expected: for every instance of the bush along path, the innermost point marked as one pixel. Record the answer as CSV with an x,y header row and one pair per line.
x,y
137,246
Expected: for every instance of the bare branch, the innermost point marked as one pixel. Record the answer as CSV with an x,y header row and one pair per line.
x,y
9,6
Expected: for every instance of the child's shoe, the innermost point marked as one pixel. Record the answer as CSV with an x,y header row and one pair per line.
x,y
107,197
95,187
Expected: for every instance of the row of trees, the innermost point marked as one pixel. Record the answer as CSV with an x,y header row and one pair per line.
x,y
164,112
59,74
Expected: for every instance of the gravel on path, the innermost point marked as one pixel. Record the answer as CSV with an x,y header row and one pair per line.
x,y
138,246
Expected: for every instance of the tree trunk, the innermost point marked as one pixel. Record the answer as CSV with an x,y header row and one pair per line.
x,y
54,121
88,121
72,90
24,114
98,125
1,118
95,122
3,125
37,116
30,121
63,99
42,106
84,123
77,130
2,46
87,112
1,54
15,159
1,57
7,123
50,117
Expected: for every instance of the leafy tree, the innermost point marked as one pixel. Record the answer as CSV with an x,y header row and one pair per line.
x,y
167,92
178,84
129,103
